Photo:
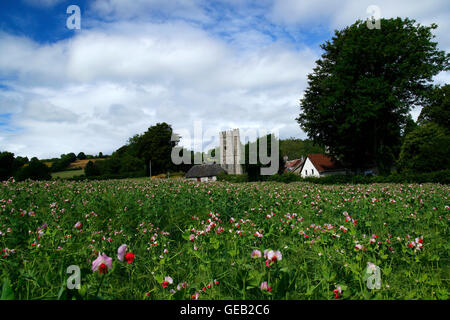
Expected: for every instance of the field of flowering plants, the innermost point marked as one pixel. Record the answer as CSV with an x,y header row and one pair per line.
x,y
174,239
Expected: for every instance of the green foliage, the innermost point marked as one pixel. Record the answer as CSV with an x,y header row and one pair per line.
x,y
6,165
425,149
233,178
362,89
442,176
63,162
296,148
156,145
91,170
253,170
286,177
437,107
409,127
7,292
35,170
21,168
81,156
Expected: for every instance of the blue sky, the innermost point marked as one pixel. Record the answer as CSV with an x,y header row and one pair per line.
x,y
229,64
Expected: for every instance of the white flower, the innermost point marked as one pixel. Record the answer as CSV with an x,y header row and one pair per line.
x,y
168,279
371,267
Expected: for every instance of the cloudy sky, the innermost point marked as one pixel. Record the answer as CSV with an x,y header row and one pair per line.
x,y
229,64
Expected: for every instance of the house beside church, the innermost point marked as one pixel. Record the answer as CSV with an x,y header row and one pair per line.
x,y
319,165
204,172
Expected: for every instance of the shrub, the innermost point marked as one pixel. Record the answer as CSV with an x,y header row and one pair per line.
x,y
286,177
234,178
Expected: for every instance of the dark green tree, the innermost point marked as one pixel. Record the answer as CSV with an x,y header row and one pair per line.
x,y
156,145
63,162
35,170
91,169
425,149
437,107
409,126
363,87
6,165
81,156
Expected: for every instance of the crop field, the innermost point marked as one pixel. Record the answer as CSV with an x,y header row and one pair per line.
x,y
189,240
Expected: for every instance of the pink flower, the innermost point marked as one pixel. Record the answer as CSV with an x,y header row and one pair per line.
x,y
255,254
102,263
182,285
121,252
264,286
257,234
77,225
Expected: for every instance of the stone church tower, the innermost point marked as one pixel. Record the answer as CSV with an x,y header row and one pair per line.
x,y
231,151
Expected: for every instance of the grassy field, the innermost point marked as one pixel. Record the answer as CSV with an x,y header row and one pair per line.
x,y
189,240
67,174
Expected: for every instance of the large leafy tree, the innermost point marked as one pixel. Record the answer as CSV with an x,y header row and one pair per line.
x,y
156,145
35,170
363,87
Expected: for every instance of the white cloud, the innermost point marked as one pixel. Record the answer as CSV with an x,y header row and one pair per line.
x,y
43,111
331,14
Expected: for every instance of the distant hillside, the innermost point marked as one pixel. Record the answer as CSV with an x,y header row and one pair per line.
x,y
77,164
81,164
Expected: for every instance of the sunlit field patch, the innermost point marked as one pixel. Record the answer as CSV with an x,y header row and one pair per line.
x,y
189,240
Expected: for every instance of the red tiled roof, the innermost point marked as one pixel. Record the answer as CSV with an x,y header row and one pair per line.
x,y
324,162
292,165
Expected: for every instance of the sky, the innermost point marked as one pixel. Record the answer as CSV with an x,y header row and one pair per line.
x,y
133,63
